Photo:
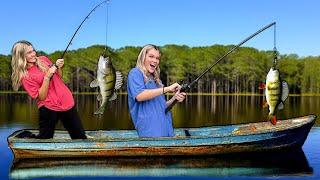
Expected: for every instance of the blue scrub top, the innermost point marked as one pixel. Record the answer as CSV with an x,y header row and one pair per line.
x,y
149,117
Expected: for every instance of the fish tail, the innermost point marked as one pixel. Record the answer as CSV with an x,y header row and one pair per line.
x,y
101,109
272,119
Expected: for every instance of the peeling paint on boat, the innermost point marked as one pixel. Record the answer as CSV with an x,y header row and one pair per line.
x,y
262,136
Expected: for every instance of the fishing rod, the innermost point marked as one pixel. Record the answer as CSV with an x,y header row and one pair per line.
x,y
106,1
186,87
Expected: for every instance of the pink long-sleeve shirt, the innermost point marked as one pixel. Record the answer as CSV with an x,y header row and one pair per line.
x,y
59,97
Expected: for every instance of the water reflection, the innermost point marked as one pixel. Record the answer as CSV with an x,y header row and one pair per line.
x,y
259,164
196,111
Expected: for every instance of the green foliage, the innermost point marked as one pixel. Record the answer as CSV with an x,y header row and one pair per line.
x,y
240,72
5,66
126,59
291,72
310,75
5,72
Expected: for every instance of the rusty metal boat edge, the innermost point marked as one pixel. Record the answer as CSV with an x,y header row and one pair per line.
x,y
252,137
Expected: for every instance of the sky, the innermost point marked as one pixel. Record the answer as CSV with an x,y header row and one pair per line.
x,y
50,24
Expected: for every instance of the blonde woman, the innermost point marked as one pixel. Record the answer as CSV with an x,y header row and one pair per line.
x,y
146,98
42,81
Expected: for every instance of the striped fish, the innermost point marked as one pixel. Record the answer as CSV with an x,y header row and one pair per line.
x,y
108,80
276,93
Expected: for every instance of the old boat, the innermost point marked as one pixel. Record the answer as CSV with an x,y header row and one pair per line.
x,y
251,137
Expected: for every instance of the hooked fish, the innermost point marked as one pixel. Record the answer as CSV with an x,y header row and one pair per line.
x,y
276,93
108,80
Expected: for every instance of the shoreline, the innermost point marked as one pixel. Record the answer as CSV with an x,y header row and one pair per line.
x,y
189,94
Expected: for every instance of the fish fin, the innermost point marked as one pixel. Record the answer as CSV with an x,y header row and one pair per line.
x,y
265,104
99,97
273,119
113,97
285,91
119,80
280,106
94,83
262,86
101,109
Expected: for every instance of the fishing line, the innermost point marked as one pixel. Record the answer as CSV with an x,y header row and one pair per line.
x,y
107,24
275,52
100,122
274,36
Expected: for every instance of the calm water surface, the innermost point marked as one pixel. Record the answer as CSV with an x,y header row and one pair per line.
x,y
18,111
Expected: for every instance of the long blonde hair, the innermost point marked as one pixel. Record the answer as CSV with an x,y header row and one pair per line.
x,y
19,63
140,63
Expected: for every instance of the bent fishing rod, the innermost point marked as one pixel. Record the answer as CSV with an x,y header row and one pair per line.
x,y
186,87
87,17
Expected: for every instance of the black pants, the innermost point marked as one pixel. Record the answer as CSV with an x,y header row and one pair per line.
x,y
70,120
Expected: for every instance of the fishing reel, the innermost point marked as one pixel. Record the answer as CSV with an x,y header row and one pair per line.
x,y
184,86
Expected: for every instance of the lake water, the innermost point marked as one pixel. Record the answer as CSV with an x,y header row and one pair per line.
x,y
18,111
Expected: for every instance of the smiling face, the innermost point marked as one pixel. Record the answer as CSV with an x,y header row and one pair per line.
x,y
30,55
152,60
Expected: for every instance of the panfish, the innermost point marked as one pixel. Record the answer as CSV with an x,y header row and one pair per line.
x,y
108,80
276,93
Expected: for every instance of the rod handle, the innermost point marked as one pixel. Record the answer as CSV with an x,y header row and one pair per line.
x,y
184,88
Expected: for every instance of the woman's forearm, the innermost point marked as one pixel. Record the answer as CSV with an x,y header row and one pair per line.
x,y
150,93
45,84
60,72
44,89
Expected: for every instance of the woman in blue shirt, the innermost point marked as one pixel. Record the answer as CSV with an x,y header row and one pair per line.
x,y
146,98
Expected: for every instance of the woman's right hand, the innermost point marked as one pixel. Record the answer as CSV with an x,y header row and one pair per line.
x,y
51,71
44,88
172,88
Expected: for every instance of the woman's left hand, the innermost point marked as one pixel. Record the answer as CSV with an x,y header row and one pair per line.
x,y
180,96
59,63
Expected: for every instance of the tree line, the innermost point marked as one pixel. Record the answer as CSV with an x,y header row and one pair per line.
x,y
240,72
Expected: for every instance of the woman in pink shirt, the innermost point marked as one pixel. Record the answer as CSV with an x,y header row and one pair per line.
x,y
42,81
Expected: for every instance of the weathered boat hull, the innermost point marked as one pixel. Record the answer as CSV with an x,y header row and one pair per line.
x,y
253,137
